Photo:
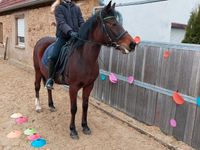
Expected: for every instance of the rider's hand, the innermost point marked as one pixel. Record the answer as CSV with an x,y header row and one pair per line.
x,y
73,34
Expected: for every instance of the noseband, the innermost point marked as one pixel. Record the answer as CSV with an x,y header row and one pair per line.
x,y
112,39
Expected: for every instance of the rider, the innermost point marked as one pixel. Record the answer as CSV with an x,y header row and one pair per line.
x,y
68,21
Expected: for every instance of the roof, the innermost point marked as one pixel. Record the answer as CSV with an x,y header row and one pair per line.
x,y
11,5
178,25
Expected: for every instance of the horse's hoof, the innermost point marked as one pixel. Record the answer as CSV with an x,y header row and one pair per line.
x,y
52,109
74,135
87,131
38,110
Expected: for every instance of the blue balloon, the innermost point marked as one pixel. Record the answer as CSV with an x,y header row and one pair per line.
x,y
198,101
38,143
103,77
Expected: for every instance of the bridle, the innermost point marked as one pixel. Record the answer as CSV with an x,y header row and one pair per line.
x,y
112,39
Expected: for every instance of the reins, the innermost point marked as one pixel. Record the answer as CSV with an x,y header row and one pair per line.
x,y
90,41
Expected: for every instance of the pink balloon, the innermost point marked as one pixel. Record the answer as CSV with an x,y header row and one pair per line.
x,y
166,54
137,39
130,79
113,78
173,123
33,137
21,120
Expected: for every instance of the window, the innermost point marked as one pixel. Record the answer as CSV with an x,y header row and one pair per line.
x,y
1,32
20,41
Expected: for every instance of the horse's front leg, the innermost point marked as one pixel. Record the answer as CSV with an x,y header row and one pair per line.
x,y
73,90
86,93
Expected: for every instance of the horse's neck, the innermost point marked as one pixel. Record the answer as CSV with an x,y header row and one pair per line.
x,y
91,52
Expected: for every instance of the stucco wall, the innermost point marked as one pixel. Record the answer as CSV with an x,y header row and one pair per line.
x,y
177,35
152,22
39,22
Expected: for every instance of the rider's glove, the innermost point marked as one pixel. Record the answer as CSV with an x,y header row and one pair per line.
x,y
73,34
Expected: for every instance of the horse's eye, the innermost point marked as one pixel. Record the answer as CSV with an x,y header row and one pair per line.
x,y
114,24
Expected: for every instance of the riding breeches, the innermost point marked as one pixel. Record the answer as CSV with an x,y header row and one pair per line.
x,y
59,43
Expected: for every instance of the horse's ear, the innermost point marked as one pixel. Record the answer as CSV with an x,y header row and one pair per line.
x,y
108,7
113,6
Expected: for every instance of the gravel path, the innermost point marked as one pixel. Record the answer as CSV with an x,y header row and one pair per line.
x,y
17,95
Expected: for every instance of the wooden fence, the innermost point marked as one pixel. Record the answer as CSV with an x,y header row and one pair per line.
x,y
149,99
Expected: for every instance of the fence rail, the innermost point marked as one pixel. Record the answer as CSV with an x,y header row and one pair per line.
x,y
149,98
151,87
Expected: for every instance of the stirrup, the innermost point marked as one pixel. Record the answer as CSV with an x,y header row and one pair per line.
x,y
49,84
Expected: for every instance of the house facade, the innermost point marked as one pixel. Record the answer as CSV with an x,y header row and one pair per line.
x,y
23,22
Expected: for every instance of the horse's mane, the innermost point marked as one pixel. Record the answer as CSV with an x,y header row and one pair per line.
x,y
87,27
84,31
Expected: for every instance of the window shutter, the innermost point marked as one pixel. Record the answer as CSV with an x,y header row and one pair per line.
x,y
1,32
20,27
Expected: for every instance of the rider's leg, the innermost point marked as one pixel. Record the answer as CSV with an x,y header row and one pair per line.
x,y
51,75
52,62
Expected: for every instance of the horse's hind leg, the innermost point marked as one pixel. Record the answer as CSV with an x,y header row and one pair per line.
x,y
50,101
38,77
86,93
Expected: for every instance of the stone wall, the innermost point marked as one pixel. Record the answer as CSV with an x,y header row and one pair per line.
x,y
39,22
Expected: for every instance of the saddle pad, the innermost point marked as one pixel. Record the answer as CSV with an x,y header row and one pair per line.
x,y
64,55
48,52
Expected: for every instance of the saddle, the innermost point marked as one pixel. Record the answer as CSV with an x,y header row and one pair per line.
x,y
63,58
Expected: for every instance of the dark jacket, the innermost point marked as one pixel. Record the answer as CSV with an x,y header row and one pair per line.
x,y
68,18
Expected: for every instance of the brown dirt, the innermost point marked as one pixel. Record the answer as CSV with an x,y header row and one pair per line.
x,y
17,95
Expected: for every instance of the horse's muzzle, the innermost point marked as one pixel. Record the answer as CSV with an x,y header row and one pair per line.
x,y
132,46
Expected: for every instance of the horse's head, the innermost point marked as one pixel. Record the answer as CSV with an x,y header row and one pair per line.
x,y
113,32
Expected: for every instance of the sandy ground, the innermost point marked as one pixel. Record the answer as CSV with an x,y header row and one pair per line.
x,y
17,95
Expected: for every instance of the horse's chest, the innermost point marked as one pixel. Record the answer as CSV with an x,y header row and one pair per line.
x,y
90,75
83,72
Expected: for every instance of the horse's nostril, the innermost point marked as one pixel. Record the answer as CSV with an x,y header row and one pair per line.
x,y
132,45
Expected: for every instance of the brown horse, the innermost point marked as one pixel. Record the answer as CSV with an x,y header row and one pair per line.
x,y
82,69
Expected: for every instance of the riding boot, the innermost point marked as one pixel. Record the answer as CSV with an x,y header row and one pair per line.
x,y
50,81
